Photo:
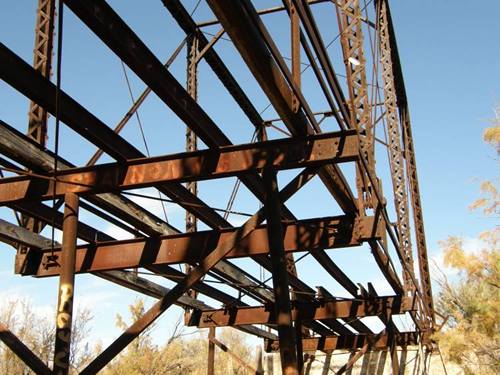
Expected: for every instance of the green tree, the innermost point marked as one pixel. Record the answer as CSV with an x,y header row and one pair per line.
x,y
471,304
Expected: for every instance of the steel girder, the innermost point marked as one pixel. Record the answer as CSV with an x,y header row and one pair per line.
x,y
207,251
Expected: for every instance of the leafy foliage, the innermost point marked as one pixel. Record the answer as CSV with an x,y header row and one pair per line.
x,y
179,354
471,305
38,333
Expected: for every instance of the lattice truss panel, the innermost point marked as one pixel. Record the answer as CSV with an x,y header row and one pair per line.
x,y
333,137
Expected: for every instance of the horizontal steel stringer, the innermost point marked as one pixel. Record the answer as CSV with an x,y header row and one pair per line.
x,y
303,235
227,161
317,310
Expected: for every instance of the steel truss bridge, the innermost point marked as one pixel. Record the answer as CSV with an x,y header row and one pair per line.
x,y
364,99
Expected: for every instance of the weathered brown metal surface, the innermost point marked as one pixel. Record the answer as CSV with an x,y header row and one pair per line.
x,y
190,248
42,62
311,235
319,311
289,307
396,154
64,316
197,165
37,115
348,343
411,166
22,351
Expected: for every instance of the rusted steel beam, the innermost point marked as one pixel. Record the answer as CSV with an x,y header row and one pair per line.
x,y
314,35
174,294
22,351
211,352
17,146
22,77
282,307
383,261
329,265
304,235
411,164
189,26
319,310
42,62
128,279
351,36
64,317
14,233
37,115
295,48
396,153
192,49
262,12
14,143
357,324
191,166
239,25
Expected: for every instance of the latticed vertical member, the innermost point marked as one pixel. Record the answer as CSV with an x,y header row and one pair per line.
x,y
411,166
37,116
191,141
350,24
395,151
411,170
44,29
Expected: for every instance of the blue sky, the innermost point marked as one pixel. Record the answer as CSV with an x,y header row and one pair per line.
x,y
450,63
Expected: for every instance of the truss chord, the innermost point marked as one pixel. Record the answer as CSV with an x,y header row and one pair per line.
x,y
57,107
396,154
299,310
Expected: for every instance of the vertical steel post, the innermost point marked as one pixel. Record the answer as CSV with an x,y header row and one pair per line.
x,y
296,75
286,332
42,62
295,43
351,32
211,352
397,161
37,116
411,166
191,140
299,348
66,286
